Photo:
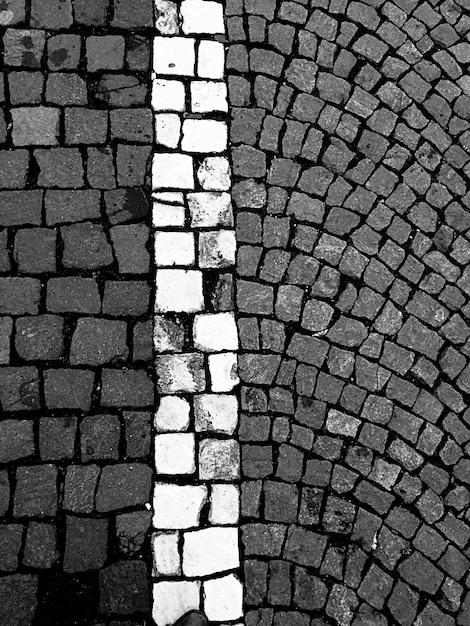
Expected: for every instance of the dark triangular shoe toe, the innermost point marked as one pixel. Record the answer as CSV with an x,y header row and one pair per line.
x,y
192,618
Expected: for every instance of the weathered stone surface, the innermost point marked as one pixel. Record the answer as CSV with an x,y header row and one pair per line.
x,y
99,341
122,486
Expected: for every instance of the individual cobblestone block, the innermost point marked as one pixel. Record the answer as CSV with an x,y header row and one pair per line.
x,y
63,52
17,440
40,549
189,297
196,559
14,169
36,491
80,488
105,52
73,294
24,47
68,389
174,56
132,164
85,246
137,429
35,250
99,437
96,342
100,168
31,202
129,243
37,126
10,545
131,531
66,89
60,167
57,438
219,460
19,388
19,296
216,413
123,485
39,338
133,125
175,454
85,126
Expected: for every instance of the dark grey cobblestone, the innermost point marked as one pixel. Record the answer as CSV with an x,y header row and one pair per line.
x,y
349,135
76,378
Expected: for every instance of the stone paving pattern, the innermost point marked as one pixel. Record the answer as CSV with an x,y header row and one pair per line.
x,y
196,496
76,375
350,137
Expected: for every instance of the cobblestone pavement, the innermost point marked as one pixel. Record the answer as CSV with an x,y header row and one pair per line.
x,y
76,381
350,146
349,142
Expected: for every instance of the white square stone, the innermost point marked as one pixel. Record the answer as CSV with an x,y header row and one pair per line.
x,y
217,248
211,59
172,599
167,215
219,459
174,56
202,16
215,332
166,13
167,129
223,598
214,174
209,551
208,96
168,95
177,506
175,453
172,171
172,414
204,136
174,248
179,291
342,424
225,504
166,556
210,209
223,370
180,373
216,413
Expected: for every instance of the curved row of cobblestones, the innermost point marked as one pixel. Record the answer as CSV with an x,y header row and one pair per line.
x,y
350,146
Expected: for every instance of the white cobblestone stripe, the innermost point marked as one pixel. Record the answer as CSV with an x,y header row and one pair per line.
x,y
197,456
